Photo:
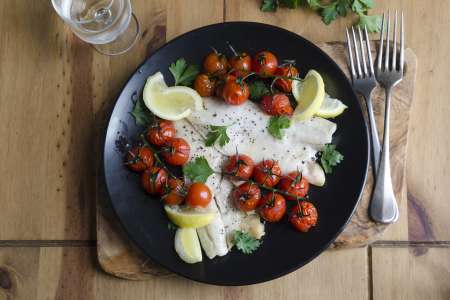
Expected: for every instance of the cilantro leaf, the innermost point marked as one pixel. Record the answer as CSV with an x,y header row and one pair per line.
x,y
183,73
217,133
171,226
245,242
373,23
342,7
330,158
257,90
140,113
277,124
269,5
290,3
329,13
361,6
314,4
198,170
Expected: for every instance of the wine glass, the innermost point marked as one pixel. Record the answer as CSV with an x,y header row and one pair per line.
x,y
109,25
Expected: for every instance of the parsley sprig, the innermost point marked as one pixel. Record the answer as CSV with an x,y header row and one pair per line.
x,y
183,73
245,242
330,158
217,133
141,114
330,10
277,124
198,170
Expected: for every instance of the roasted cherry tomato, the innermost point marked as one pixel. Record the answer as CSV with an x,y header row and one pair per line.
x,y
176,152
241,64
267,172
204,85
215,63
161,132
240,165
272,207
303,216
235,91
139,158
285,84
153,180
173,192
276,105
264,63
247,196
199,194
295,184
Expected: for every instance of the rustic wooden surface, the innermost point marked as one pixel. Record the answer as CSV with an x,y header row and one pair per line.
x,y
53,90
118,257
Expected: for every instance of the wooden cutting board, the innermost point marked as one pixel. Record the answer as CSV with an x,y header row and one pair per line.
x,y
118,256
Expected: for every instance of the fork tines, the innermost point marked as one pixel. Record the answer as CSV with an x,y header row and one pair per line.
x,y
359,48
390,63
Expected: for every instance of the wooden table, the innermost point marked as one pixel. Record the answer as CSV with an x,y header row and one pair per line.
x,y
52,88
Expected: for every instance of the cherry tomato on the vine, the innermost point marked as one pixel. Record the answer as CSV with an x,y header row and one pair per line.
x,y
295,184
277,105
176,152
303,216
139,158
204,85
285,84
241,64
264,63
198,194
173,192
247,196
235,91
161,132
267,172
153,180
240,166
215,63
272,207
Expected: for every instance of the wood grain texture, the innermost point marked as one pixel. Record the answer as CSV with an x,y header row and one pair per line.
x,y
414,273
68,273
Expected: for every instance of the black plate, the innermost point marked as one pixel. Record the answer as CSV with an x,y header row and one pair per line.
x,y
283,250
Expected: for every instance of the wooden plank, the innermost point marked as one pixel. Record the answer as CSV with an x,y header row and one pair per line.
x,y
411,273
47,181
69,273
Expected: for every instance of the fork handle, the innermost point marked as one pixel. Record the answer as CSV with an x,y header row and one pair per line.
x,y
374,140
383,207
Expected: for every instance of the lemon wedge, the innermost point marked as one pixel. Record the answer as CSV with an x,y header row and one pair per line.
x,y
331,108
187,245
309,95
170,103
188,218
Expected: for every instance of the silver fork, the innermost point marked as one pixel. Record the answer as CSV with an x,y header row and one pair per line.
x,y
389,73
363,78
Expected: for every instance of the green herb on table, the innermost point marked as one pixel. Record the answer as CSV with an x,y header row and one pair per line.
x,y
257,90
217,133
277,124
198,170
245,242
330,10
183,73
141,114
330,158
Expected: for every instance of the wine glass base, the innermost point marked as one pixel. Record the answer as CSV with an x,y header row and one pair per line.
x,y
124,42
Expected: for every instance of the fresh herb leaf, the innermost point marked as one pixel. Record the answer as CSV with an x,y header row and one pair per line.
x,y
290,3
141,114
329,13
217,133
171,226
361,6
373,23
314,4
330,158
198,170
269,5
277,124
245,242
183,73
342,7
257,90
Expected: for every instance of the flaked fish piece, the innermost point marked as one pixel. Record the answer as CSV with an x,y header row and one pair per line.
x,y
247,129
